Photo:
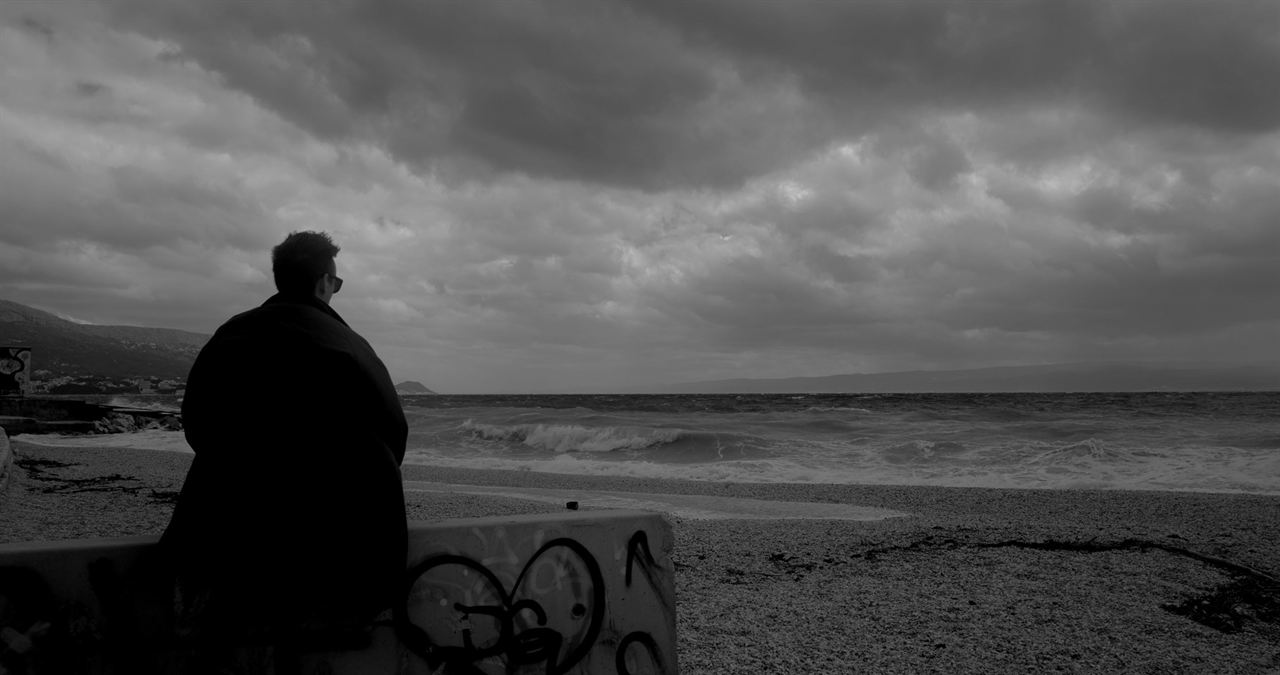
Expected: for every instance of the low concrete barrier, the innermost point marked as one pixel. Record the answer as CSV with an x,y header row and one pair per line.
x,y
573,592
32,415
52,409
6,462
18,425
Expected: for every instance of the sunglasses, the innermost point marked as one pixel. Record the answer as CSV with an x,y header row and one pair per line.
x,y
337,282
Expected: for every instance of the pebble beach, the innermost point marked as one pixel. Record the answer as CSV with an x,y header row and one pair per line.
x,y
958,580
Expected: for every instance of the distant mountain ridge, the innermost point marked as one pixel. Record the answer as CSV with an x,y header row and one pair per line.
x,y
68,349
1070,377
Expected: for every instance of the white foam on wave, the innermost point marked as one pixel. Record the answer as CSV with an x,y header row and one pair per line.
x,y
1257,475
147,439
836,409
562,438
1084,465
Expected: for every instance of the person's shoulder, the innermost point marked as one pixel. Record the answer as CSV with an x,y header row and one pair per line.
x,y
250,318
246,315
319,324
237,322
299,322
270,318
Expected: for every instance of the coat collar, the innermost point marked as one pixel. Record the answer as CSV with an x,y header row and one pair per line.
x,y
309,300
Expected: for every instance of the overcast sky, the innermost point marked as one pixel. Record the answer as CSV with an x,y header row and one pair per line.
x,y
574,195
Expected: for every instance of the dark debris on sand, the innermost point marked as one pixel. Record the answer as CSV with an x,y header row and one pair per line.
x,y
39,470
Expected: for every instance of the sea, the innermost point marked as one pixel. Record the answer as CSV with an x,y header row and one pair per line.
x,y
1225,442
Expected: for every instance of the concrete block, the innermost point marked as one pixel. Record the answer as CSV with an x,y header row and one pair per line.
x,y
65,427
18,425
574,592
6,460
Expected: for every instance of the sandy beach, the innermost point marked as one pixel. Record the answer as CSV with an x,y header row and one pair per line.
x,y
792,578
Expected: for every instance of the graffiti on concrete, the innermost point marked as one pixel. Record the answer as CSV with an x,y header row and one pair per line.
x,y
15,369
492,599
638,653
638,551
551,614
28,624
458,612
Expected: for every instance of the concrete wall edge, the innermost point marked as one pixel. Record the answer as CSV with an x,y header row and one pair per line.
x,y
6,462
415,526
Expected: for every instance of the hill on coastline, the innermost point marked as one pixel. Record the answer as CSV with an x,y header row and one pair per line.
x,y
412,387
62,348
65,349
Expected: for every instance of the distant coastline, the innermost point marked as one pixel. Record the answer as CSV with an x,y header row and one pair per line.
x,y
1066,378
77,359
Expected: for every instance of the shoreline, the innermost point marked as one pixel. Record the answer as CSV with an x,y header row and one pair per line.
x,y
165,440
970,580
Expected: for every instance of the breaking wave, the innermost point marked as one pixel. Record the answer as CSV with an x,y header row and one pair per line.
x,y
561,438
1200,442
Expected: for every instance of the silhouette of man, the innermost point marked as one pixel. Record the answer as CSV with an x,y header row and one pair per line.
x,y
292,518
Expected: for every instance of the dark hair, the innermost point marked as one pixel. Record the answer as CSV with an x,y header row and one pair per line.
x,y
299,261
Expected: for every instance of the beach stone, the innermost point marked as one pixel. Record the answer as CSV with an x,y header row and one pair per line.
x,y
116,424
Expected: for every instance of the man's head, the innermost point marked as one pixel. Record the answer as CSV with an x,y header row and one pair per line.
x,y
303,265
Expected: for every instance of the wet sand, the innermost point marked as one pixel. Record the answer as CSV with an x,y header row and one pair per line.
x,y
837,578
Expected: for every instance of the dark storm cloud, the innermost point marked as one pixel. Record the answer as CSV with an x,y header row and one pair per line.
x,y
90,89
583,89
600,192
665,92
128,208
36,26
1208,64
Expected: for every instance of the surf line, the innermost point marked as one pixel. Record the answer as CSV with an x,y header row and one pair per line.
x,y
698,507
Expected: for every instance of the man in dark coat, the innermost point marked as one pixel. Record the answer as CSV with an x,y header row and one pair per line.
x,y
292,516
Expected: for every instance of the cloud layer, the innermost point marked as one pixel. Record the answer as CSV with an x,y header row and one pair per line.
x,y
586,195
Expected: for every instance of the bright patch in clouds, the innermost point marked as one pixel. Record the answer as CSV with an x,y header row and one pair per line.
x,y
591,195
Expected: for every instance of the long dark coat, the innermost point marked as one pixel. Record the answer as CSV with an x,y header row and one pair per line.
x,y
293,507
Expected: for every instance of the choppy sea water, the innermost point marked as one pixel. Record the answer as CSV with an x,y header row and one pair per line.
x,y
1213,442
1217,442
